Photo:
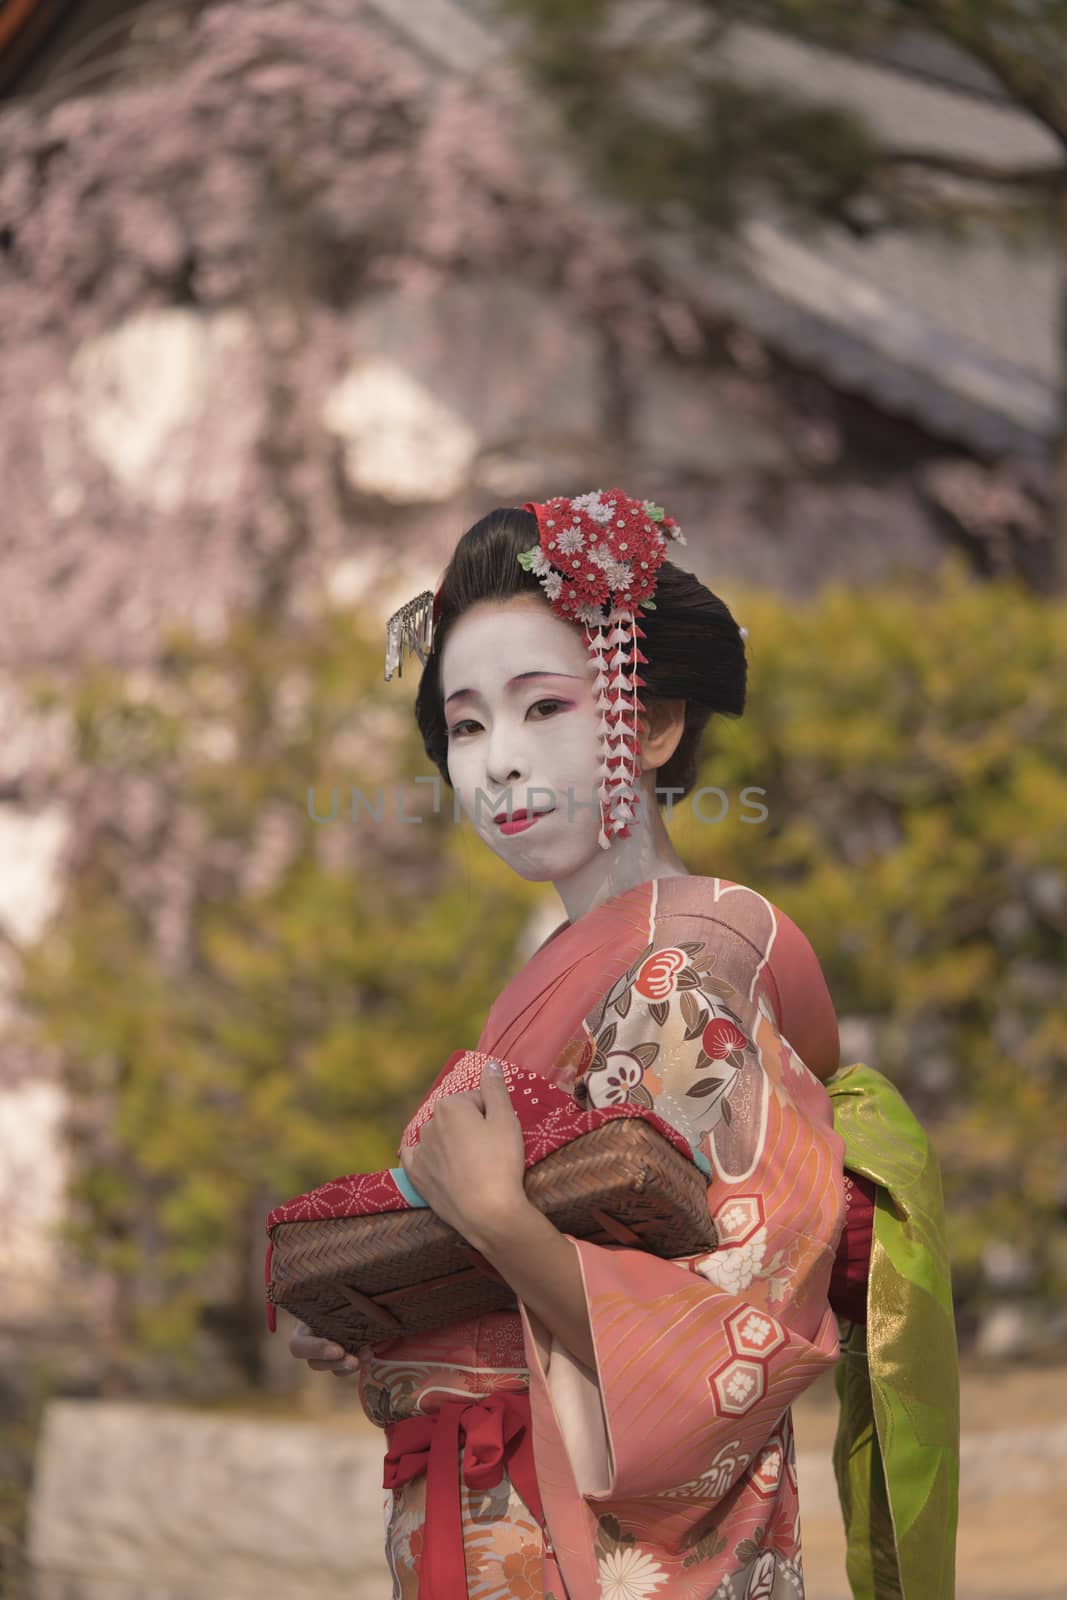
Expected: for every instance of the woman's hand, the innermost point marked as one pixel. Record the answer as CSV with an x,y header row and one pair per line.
x,y
470,1159
321,1354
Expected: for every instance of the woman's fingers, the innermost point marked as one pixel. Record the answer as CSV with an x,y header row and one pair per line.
x,y
308,1346
304,1343
320,1354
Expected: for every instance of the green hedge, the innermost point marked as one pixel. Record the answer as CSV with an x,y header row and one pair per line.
x,y
911,743
295,1035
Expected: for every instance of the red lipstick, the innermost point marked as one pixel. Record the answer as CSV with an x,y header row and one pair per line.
x,y
520,820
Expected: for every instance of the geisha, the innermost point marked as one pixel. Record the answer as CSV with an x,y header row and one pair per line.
x,y
647,1447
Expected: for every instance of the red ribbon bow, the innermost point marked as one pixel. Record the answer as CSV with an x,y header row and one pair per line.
x,y
497,1430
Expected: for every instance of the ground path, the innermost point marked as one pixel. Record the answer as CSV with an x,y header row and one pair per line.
x,y
1013,1496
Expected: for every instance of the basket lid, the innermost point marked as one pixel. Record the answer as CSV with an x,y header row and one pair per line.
x,y
548,1116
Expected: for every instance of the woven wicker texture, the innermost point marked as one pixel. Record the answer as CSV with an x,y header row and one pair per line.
x,y
362,1279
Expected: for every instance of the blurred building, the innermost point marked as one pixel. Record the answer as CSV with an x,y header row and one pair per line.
x,y
959,338
815,409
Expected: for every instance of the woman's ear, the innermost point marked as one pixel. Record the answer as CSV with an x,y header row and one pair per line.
x,y
661,728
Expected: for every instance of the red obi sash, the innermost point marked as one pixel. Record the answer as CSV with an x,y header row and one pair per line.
x,y
848,1280
497,1431
497,1428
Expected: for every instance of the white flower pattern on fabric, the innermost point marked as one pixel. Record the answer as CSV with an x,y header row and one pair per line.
x,y
757,1329
791,1568
628,1573
740,1386
733,1266
734,1217
656,1005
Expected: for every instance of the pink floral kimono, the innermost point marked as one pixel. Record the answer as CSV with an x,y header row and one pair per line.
x,y
670,1470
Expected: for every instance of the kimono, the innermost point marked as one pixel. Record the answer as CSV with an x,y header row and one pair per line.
x,y
669,1471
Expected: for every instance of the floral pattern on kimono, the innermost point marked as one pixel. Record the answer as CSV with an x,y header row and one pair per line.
x,y
682,1439
670,1470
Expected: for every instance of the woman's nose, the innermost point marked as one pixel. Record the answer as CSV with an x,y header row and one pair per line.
x,y
502,774
505,754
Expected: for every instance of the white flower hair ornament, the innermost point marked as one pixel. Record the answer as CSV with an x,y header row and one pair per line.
x,y
597,557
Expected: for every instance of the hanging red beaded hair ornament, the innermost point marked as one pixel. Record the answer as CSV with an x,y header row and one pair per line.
x,y
598,557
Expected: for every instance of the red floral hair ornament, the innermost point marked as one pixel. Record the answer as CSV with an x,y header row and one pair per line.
x,y
598,557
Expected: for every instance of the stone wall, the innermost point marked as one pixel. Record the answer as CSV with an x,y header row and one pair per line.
x,y
137,1502
140,1502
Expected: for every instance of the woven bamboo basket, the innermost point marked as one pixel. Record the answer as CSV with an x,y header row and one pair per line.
x,y
364,1279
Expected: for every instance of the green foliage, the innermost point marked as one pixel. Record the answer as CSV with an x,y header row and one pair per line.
x,y
912,743
298,1028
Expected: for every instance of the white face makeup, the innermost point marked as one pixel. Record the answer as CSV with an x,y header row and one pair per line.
x,y
530,744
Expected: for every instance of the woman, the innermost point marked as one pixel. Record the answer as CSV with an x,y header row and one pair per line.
x,y
658,1457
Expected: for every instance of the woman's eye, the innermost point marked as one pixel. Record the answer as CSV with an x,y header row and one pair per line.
x,y
468,722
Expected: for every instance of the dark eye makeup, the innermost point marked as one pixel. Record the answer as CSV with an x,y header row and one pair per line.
x,y
470,722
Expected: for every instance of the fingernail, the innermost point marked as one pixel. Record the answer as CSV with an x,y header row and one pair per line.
x,y
334,1352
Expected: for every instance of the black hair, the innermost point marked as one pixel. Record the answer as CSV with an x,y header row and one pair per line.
x,y
694,647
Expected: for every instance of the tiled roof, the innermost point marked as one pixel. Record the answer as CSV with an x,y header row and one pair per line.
x,y
959,334
959,337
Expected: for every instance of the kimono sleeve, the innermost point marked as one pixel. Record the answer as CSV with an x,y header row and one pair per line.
x,y
801,999
698,1358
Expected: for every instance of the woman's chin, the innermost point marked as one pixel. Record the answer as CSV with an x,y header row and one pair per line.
x,y
532,871
543,862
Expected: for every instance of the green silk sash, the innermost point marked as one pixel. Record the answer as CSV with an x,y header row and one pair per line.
x,y
896,1455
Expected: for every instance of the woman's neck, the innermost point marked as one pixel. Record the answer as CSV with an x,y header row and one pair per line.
x,y
647,853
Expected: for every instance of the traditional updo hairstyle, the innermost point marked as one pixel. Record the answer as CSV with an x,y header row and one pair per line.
x,y
694,647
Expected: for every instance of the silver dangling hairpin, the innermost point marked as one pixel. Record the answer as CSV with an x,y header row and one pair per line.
x,y
410,631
